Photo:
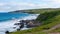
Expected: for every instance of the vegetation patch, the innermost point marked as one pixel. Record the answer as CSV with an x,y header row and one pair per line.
x,y
48,19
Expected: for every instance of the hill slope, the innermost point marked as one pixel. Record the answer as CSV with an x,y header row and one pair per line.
x,y
49,19
36,10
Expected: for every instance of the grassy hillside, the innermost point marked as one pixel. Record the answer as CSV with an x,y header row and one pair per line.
x,y
49,20
47,16
36,10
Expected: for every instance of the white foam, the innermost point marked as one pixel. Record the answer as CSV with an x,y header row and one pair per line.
x,y
8,25
30,17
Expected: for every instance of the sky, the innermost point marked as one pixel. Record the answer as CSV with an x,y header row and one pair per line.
x,y
12,5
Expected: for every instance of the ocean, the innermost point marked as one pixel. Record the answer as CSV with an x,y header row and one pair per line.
x,y
7,20
9,16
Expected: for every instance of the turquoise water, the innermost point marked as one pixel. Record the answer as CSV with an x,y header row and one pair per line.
x,y
7,20
9,16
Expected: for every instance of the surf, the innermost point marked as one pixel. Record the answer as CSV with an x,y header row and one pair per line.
x,y
9,24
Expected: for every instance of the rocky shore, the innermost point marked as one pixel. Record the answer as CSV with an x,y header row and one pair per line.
x,y
28,23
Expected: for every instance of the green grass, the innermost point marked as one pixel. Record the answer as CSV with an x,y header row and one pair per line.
x,y
56,20
37,11
51,19
41,10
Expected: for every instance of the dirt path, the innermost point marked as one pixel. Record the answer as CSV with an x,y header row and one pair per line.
x,y
47,31
53,28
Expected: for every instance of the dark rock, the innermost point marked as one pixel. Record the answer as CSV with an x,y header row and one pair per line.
x,y
33,24
17,24
7,32
18,29
29,23
22,25
46,28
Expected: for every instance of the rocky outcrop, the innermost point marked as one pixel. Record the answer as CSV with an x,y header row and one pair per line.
x,y
29,23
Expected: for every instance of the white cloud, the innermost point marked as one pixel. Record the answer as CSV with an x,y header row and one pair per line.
x,y
2,4
57,1
9,6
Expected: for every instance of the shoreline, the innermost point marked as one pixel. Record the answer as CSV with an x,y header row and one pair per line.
x,y
25,18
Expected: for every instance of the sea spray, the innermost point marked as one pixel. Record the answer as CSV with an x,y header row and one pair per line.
x,y
8,25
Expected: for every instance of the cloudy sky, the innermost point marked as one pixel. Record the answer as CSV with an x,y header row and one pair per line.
x,y
11,5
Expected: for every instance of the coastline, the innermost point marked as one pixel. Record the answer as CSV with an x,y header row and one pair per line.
x,y
10,26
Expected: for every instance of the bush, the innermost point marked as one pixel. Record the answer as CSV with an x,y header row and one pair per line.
x,y
46,16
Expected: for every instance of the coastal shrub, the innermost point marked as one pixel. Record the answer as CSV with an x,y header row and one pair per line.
x,y
47,16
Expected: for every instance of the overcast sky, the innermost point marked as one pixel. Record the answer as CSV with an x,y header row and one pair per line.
x,y
10,5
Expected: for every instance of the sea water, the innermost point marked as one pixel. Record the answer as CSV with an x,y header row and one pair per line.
x,y
7,20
